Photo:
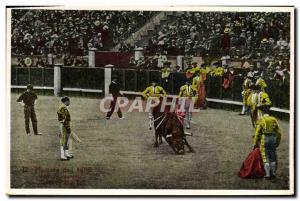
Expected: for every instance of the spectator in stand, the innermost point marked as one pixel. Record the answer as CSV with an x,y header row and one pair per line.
x,y
161,59
282,44
226,39
140,63
20,62
40,62
165,74
177,69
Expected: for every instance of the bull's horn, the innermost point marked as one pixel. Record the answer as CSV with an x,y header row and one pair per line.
x,y
187,133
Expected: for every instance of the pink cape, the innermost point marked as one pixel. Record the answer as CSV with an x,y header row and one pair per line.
x,y
201,100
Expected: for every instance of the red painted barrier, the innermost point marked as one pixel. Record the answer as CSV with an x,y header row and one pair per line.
x,y
118,59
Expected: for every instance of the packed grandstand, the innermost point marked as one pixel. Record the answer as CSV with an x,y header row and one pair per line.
x,y
254,39
196,33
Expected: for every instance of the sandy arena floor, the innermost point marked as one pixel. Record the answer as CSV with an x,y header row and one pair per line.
x,y
120,153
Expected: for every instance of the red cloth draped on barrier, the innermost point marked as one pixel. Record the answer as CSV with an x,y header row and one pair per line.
x,y
201,100
189,75
252,166
118,59
228,78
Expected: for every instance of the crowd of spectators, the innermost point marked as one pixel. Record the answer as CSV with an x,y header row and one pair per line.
x,y
259,39
238,34
262,37
71,32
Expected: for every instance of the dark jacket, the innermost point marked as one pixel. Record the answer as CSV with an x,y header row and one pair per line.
x,y
28,98
114,89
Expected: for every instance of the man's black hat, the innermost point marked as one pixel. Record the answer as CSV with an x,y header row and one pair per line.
x,y
265,108
167,63
65,99
154,80
114,77
255,87
29,86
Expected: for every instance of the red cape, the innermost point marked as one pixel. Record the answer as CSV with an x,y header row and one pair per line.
x,y
252,166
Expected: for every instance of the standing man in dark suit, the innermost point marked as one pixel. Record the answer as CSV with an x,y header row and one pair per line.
x,y
114,89
28,100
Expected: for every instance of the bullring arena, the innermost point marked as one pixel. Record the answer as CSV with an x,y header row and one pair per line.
x,y
225,60
120,154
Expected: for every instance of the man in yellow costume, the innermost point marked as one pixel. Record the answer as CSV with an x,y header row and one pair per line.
x,y
262,101
64,119
251,103
256,100
188,93
153,93
196,68
196,80
189,71
261,83
267,137
245,93
198,83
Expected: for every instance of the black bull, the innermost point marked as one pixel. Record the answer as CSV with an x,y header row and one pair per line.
x,y
168,125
